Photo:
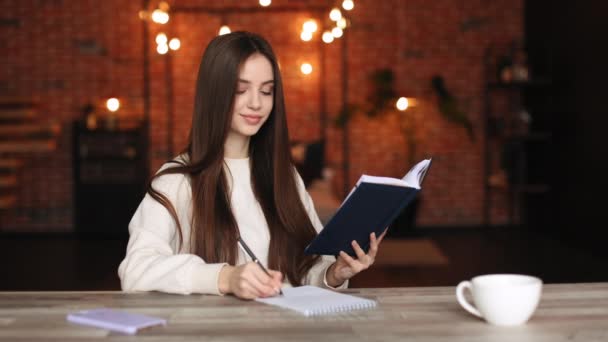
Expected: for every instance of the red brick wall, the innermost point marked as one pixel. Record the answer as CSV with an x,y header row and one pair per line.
x,y
64,54
44,58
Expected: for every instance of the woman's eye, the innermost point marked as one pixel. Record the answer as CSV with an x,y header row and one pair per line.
x,y
267,92
241,91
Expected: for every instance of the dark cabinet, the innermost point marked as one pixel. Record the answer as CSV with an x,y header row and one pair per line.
x,y
110,177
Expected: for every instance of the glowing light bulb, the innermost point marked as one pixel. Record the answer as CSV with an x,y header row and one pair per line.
x,y
164,6
306,36
327,37
335,14
402,103
160,16
306,68
341,23
265,3
348,4
337,32
224,30
162,49
113,104
174,44
161,39
310,26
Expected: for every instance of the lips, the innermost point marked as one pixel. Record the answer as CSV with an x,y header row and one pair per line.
x,y
252,119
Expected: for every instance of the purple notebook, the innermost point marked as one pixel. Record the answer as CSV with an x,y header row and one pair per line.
x,y
115,320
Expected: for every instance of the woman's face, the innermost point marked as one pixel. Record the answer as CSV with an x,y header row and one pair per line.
x,y
254,97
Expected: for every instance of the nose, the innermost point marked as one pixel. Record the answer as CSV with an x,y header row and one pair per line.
x,y
254,100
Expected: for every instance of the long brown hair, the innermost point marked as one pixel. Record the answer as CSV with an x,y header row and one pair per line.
x,y
214,230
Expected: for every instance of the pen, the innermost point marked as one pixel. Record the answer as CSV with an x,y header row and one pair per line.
x,y
255,259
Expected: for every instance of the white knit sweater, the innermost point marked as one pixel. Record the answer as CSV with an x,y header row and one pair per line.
x,y
154,261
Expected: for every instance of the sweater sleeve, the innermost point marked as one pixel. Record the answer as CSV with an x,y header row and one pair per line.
x,y
316,276
153,261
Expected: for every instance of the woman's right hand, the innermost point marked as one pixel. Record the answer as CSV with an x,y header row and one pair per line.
x,y
249,281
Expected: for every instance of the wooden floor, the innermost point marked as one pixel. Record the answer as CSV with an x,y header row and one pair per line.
x,y
51,262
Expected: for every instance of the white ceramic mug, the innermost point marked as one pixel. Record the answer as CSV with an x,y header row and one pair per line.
x,y
501,299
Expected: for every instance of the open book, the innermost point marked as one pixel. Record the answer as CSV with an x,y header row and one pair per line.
x,y
371,206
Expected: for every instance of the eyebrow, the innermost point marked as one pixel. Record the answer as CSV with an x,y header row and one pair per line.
x,y
249,82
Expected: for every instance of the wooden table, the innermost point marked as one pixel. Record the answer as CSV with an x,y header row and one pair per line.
x,y
567,312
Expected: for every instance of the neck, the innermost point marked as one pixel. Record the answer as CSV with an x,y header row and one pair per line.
x,y
236,147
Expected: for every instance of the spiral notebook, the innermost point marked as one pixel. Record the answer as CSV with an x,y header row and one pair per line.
x,y
313,301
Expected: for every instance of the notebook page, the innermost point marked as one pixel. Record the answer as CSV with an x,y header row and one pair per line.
x,y
311,301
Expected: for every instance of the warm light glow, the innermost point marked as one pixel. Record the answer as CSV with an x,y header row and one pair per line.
x,y
306,68
348,4
402,103
327,37
306,36
224,30
336,32
335,14
161,39
162,49
310,26
341,23
160,17
265,3
113,104
174,44
164,6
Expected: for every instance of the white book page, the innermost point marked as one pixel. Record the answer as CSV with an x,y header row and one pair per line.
x,y
382,180
412,179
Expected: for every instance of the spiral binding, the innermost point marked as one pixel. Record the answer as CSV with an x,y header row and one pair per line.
x,y
325,310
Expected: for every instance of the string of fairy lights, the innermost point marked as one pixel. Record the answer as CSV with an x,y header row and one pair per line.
x,y
333,28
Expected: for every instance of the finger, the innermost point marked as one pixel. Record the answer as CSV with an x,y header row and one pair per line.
x,y
272,280
251,292
373,246
255,270
259,280
277,278
276,274
262,289
358,250
363,258
354,265
245,290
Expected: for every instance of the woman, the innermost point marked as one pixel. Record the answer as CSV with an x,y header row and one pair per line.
x,y
234,180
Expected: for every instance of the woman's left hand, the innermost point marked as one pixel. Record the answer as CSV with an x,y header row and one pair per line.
x,y
347,267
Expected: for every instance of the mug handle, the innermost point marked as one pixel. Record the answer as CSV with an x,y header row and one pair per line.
x,y
463,301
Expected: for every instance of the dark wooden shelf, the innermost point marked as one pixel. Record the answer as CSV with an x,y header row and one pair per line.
x,y
521,151
532,188
110,176
516,85
533,136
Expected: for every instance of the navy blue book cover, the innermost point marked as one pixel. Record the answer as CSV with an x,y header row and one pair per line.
x,y
371,207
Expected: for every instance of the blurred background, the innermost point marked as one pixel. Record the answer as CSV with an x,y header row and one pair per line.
x,y
507,96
